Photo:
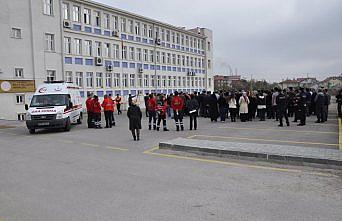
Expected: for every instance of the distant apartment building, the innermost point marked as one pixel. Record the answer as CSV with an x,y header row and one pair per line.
x,y
100,48
224,81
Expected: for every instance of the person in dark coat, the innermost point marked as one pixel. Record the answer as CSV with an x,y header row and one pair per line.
x,y
302,107
252,106
134,115
339,103
320,100
193,111
223,106
213,109
282,102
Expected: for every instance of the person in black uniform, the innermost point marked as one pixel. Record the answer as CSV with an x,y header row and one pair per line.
x,y
290,105
302,107
339,102
282,102
319,100
295,106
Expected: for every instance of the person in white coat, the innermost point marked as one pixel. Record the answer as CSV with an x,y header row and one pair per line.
x,y
244,101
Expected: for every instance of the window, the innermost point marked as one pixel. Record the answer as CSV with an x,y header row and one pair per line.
x,y
146,81
158,81
140,82
67,45
139,54
86,16
195,43
209,82
151,56
191,42
21,116
169,81
16,33
173,59
173,37
68,76
183,60
115,23
87,48
97,15
79,79
99,80
164,81
184,81
191,61
89,79
49,42
187,61
116,52
132,80
168,36
107,50
19,98
182,40
131,53
179,81
177,38
168,58
66,12
106,21
178,59
199,62
98,48
209,46
162,34
137,28
163,57
156,31
188,81
108,80
202,62
78,46
174,81
209,64
150,32
125,80
50,75
130,26
145,30
124,53
48,7
153,81
158,56
195,62
145,55
123,24
76,13
116,80
19,72
187,41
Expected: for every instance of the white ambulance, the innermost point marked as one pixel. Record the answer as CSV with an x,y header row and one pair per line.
x,y
54,105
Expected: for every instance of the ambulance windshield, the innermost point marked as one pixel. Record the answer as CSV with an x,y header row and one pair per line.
x,y
50,100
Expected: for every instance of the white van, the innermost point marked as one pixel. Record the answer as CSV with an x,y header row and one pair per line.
x,y
54,105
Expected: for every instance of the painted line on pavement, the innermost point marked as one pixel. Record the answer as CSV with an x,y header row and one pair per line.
x,y
278,130
340,134
265,140
90,144
203,160
117,148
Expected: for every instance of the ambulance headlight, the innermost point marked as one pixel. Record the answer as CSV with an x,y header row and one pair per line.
x,y
28,116
59,115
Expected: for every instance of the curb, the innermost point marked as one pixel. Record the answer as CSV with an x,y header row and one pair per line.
x,y
290,159
340,132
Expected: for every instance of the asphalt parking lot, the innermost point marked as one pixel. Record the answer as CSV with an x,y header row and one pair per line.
x,y
89,174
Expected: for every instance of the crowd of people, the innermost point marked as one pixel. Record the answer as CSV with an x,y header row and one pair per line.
x,y
247,106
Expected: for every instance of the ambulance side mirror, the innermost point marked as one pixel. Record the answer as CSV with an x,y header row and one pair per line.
x,y
26,107
71,105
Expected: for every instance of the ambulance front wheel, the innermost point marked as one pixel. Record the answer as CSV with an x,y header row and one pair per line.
x,y
67,125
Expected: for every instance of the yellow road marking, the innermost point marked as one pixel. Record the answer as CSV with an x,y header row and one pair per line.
x,y
192,136
66,141
9,133
90,145
279,141
279,130
151,152
340,134
117,148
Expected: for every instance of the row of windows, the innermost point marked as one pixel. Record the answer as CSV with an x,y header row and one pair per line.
x,y
115,80
107,50
127,25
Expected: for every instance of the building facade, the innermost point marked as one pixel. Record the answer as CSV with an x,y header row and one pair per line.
x,y
101,49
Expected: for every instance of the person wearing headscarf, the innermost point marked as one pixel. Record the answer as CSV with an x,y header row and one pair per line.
x,y
134,115
244,101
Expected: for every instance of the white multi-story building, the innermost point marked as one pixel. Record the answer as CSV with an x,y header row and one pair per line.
x,y
102,49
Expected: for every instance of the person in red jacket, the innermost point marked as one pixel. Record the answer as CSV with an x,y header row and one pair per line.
x,y
177,104
96,112
161,111
90,110
151,108
108,107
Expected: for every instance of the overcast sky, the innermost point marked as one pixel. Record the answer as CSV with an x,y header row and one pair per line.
x,y
268,39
